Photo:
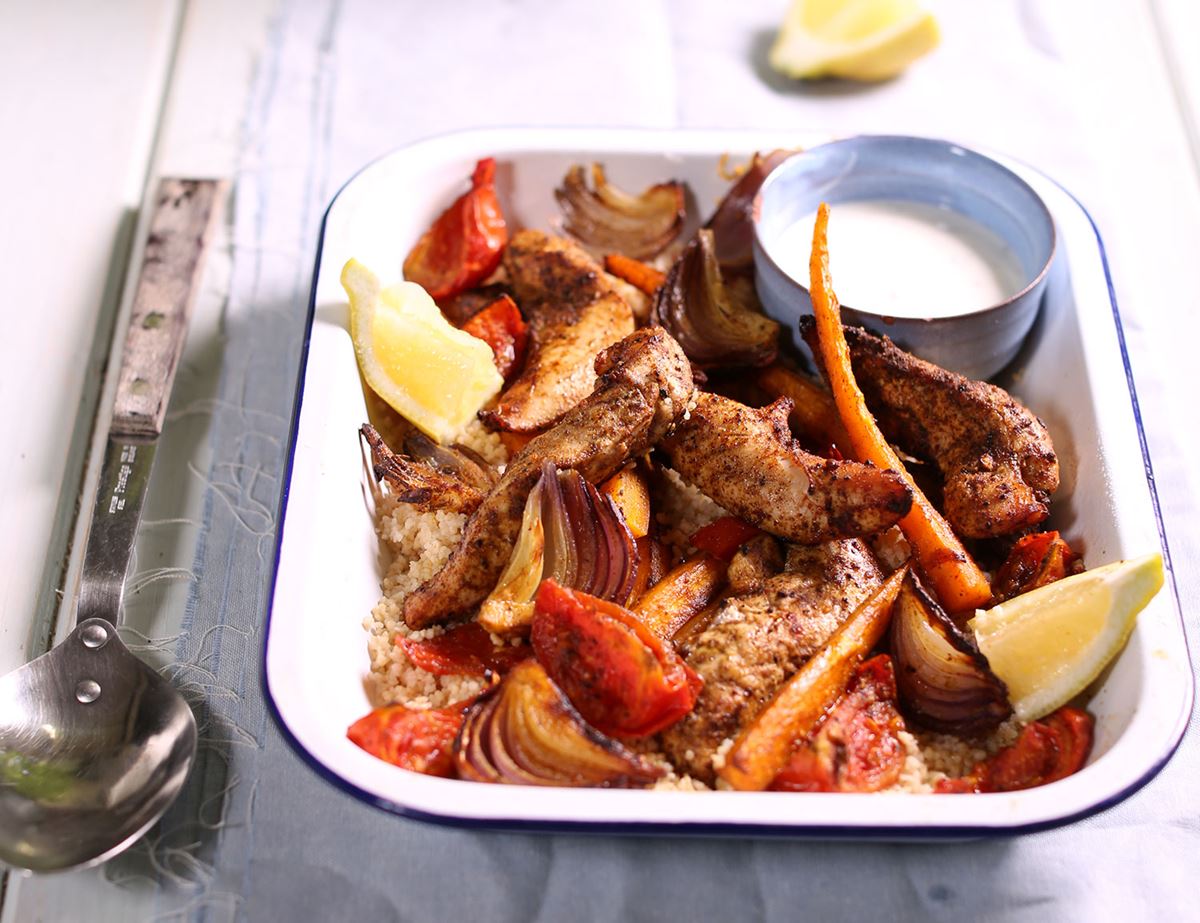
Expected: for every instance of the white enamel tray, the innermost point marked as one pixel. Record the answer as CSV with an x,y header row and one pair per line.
x,y
1075,374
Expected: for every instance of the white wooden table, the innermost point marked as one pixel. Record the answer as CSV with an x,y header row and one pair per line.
x,y
287,98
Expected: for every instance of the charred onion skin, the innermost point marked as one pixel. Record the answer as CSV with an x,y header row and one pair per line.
x,y
943,681
526,732
713,326
732,224
607,220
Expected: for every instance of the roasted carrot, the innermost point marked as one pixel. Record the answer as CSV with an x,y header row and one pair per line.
x,y
956,579
635,272
686,590
814,414
631,494
765,745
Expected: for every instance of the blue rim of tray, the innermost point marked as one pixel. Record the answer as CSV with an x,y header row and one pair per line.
x,y
642,828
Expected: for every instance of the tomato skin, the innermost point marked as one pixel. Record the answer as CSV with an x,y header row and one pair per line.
x,y
467,649
421,740
1035,560
501,326
857,747
464,245
807,771
1046,750
621,678
723,537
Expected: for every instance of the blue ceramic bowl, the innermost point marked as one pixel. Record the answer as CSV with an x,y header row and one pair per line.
x,y
978,342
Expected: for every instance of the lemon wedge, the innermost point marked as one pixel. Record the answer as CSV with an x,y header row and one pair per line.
x,y
431,373
1049,643
856,39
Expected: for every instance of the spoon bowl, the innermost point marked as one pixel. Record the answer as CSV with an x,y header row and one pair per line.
x,y
94,746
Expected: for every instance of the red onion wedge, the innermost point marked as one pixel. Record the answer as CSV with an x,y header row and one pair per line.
x,y
527,733
607,220
732,223
572,533
716,325
943,681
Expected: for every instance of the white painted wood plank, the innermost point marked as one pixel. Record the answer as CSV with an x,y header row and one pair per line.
x,y
82,86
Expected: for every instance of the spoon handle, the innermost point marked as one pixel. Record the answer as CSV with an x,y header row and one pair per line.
x,y
184,215
185,212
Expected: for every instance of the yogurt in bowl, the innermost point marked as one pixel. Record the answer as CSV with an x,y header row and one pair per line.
x,y
943,249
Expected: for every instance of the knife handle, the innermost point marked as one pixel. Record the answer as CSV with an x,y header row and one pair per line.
x,y
185,213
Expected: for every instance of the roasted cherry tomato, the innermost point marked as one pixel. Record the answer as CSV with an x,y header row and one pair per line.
x,y
464,245
1046,750
857,747
809,770
622,679
501,326
723,537
1034,561
418,739
467,649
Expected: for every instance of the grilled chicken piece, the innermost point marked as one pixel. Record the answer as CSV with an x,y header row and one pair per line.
x,y
995,455
574,311
748,462
753,564
756,642
645,385
420,484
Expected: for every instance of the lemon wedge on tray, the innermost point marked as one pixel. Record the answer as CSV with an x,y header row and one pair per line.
x,y
428,371
1050,643
865,40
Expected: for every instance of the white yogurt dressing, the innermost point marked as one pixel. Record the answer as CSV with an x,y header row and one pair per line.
x,y
906,259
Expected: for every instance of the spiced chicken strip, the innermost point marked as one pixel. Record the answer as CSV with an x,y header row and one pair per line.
x,y
995,456
747,460
644,386
756,642
574,311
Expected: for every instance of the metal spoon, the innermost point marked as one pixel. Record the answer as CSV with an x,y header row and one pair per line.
x,y
94,744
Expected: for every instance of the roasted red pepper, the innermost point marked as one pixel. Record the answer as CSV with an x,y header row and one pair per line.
x,y
467,649
857,747
1047,750
464,245
623,680
501,326
421,740
723,537
1034,561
